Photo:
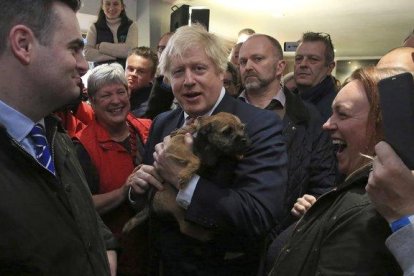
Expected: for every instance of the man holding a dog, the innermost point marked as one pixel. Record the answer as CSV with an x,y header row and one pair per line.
x,y
242,199
312,163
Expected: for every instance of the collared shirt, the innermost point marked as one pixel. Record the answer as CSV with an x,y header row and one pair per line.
x,y
280,96
277,103
185,194
18,126
222,93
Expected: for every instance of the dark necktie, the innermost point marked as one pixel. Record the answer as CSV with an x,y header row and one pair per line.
x,y
37,134
189,120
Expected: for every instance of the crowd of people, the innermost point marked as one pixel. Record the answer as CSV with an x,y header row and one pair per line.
x,y
317,191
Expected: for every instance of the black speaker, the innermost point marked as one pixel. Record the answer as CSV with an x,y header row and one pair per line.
x,y
179,17
201,16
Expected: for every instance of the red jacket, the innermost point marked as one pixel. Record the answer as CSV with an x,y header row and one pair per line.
x,y
74,122
114,164
112,161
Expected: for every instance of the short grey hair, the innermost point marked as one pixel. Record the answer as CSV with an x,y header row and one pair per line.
x,y
188,37
105,74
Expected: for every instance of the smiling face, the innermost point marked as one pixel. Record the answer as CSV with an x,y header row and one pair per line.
x,y
196,82
348,127
112,8
310,64
59,82
111,105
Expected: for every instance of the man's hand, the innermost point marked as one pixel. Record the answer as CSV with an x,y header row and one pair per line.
x,y
167,168
302,205
143,177
391,184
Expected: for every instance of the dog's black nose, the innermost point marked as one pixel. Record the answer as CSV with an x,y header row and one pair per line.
x,y
245,141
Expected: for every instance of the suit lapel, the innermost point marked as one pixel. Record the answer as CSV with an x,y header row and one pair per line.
x,y
225,105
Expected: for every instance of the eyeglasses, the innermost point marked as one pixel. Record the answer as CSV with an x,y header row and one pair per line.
x,y
322,35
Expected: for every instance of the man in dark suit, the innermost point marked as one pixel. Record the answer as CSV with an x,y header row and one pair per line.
x,y
240,200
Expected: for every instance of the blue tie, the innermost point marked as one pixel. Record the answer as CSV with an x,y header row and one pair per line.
x,y
42,148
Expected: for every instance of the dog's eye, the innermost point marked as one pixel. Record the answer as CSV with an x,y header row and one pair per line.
x,y
227,131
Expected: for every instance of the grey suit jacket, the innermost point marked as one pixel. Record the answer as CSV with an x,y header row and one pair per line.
x,y
401,245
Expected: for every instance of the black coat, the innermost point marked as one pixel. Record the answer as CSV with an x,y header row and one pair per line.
x,y
312,161
312,164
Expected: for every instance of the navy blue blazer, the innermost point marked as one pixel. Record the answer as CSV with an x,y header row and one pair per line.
x,y
240,201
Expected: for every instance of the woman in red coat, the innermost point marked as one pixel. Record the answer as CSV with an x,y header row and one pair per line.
x,y
109,148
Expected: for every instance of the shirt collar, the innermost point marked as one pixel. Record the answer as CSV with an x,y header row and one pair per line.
x,y
280,96
222,93
18,125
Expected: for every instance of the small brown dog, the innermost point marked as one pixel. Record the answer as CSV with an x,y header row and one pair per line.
x,y
215,137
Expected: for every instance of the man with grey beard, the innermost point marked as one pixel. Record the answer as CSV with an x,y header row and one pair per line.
x,y
312,164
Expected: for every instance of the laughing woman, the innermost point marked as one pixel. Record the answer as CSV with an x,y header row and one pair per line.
x,y
108,149
111,37
342,234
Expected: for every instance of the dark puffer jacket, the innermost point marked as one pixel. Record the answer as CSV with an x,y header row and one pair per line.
x,y
312,162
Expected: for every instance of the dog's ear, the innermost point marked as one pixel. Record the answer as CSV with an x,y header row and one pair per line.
x,y
226,130
205,130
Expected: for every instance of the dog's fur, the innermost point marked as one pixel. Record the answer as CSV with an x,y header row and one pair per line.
x,y
215,137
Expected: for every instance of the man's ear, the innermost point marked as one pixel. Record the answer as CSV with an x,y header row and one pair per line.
x,y
21,43
280,67
331,66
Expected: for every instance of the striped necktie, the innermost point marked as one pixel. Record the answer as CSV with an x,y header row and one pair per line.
x,y
42,148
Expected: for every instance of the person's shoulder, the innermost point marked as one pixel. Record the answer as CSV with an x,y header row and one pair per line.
x,y
139,122
313,111
352,195
92,28
88,132
167,116
132,26
315,117
247,112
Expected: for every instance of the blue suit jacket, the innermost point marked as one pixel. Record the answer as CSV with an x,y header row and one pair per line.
x,y
240,201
